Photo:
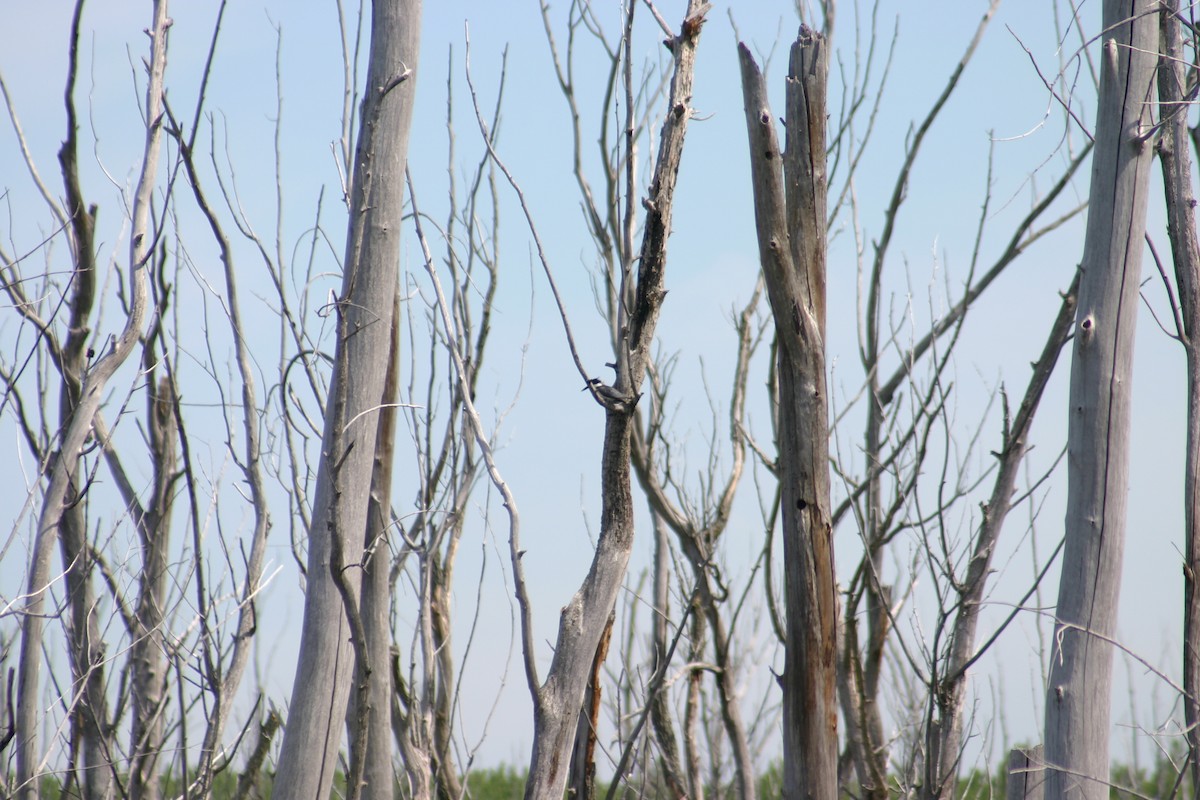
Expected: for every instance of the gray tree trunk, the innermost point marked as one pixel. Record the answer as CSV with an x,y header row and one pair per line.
x,y
54,521
308,756
379,778
1026,778
1080,682
790,212
559,699
89,716
1176,159
148,651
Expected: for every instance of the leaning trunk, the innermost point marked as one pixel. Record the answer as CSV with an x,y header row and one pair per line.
x,y
582,622
308,756
1080,681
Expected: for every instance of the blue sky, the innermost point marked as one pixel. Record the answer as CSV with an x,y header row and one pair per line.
x,y
551,437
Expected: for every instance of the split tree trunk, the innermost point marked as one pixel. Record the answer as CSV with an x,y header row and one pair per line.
x,y
1080,686
378,776
308,756
790,212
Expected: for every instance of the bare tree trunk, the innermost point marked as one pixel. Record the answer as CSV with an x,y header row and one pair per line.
x,y
89,714
1080,680
558,700
1026,776
308,755
581,624
692,711
148,653
790,210
582,783
378,776
59,499
1173,151
445,770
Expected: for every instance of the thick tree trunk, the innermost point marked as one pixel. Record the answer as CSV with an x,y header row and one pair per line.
x,y
1176,161
308,756
1026,777
790,210
1080,682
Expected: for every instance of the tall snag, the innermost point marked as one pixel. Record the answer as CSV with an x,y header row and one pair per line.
x,y
364,309
1080,685
790,213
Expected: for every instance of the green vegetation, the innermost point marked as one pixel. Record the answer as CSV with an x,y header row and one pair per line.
x,y
1161,781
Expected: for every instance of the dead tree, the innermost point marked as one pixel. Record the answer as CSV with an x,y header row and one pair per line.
x,y
62,493
1080,679
790,213
695,518
558,700
338,529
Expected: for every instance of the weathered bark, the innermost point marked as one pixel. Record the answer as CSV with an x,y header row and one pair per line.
x,y
944,731
692,711
790,212
89,714
582,783
445,770
1175,156
560,697
378,775
558,700
253,769
1026,776
1080,680
55,523
308,756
